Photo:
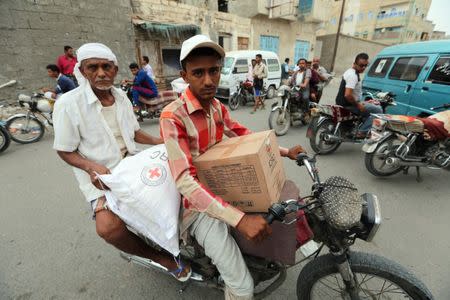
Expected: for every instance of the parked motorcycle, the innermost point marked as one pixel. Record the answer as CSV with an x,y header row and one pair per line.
x,y
5,139
292,108
400,142
152,107
337,215
333,124
28,128
244,94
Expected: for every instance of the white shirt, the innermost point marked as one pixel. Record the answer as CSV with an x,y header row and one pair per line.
x,y
148,69
80,126
352,82
109,113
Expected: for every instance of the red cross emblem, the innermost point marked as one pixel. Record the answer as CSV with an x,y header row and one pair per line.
x,y
156,172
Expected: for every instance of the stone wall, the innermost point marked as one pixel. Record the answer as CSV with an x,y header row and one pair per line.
x,y
348,48
34,32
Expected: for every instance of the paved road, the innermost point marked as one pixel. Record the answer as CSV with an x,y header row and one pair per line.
x,y
49,249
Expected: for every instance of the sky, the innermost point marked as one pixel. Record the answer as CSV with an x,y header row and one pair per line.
x,y
438,13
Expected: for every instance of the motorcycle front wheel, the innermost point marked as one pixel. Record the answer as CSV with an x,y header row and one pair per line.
x,y
376,276
279,123
5,140
234,101
25,130
376,161
317,142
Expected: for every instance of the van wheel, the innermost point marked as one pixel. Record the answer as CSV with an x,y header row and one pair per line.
x,y
271,92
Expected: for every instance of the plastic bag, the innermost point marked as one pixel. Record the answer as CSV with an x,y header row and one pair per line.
x,y
144,195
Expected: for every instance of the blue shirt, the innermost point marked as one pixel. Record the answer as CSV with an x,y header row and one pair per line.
x,y
144,85
64,84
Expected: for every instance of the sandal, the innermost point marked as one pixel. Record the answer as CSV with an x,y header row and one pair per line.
x,y
183,273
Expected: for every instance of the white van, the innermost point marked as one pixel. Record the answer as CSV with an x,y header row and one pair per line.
x,y
236,67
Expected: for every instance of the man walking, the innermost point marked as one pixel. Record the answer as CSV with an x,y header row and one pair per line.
x,y
66,63
259,73
285,72
95,128
350,94
190,126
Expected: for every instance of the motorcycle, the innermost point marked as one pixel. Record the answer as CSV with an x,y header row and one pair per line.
x,y
333,124
400,142
152,107
28,128
244,94
337,216
291,109
5,138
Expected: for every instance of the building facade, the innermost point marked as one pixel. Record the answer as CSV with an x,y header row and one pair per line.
x,y
286,27
384,21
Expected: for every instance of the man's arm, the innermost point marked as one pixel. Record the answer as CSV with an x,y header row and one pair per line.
x,y
76,160
143,137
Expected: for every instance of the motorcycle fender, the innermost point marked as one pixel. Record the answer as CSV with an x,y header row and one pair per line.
x,y
20,115
369,147
315,122
276,107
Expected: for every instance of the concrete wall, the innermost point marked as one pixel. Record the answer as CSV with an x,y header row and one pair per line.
x,y
348,48
33,34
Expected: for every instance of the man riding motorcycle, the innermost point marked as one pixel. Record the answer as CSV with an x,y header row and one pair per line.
x,y
190,126
350,94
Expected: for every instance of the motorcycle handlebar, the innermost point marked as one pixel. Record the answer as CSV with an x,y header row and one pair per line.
x,y
440,107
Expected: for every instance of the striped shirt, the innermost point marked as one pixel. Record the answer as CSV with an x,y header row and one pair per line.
x,y
188,131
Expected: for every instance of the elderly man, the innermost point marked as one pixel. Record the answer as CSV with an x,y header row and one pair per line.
x,y
95,128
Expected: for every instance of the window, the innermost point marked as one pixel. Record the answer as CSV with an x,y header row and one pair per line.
x,y
273,65
222,5
241,66
440,74
356,34
407,68
380,67
365,34
227,63
269,43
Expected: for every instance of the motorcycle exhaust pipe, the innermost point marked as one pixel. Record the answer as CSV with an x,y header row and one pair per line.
x,y
331,138
397,162
149,264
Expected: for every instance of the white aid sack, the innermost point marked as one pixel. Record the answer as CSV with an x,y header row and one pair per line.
x,y
144,195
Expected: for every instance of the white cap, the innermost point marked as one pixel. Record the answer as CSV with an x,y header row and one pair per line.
x,y
199,41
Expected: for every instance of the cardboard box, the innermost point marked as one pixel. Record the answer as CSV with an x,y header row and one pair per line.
x,y
246,171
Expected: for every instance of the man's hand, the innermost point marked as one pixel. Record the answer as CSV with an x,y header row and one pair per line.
x,y
254,227
361,107
295,151
95,169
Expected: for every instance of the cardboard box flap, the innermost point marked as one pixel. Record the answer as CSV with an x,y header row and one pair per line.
x,y
231,147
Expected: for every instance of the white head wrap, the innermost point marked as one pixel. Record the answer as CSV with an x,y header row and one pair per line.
x,y
91,50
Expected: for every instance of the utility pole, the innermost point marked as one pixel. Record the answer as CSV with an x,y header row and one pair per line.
x,y
337,36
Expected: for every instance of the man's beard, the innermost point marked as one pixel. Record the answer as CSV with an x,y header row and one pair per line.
x,y
104,87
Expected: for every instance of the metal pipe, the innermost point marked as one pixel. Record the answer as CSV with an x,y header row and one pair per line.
x,y
337,36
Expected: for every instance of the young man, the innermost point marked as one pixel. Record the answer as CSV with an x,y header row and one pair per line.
x,y
285,71
95,128
190,126
301,79
143,85
66,63
147,68
63,83
259,73
350,94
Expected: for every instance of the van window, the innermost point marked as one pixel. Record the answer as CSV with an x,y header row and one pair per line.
x,y
408,68
380,67
440,73
227,64
273,66
241,66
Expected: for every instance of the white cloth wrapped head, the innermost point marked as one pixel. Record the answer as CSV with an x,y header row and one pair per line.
x,y
91,50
